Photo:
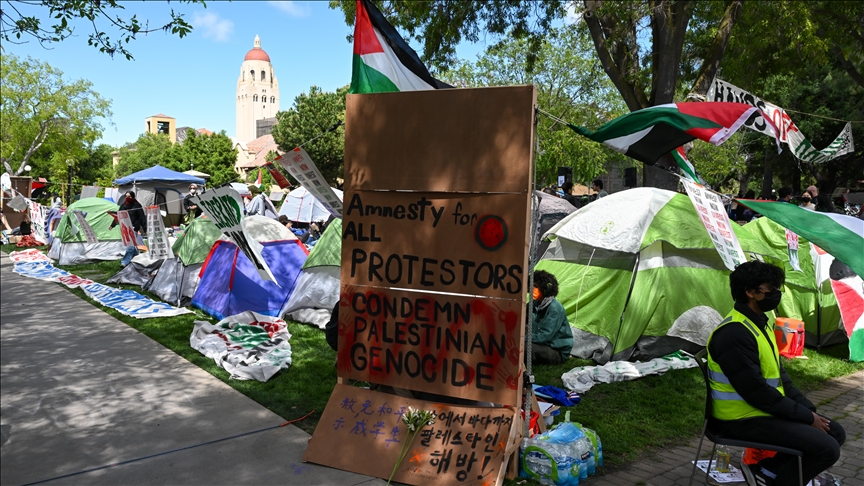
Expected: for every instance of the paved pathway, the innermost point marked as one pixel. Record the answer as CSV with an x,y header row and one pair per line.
x,y
841,400
80,390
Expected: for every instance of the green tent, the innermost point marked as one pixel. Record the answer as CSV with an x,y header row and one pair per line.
x,y
194,244
639,276
317,288
803,298
69,247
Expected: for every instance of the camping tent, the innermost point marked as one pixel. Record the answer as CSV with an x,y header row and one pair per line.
x,y
302,206
639,276
69,247
549,211
178,278
158,185
230,284
317,289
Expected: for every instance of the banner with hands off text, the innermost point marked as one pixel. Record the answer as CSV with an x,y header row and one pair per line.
x,y
224,206
301,166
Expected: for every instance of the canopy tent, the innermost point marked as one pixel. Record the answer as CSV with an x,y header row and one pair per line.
x,y
178,278
230,283
317,289
639,276
69,247
303,207
160,186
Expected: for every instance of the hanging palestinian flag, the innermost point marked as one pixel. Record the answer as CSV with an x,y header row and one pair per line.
x,y
383,61
258,182
646,135
686,166
840,235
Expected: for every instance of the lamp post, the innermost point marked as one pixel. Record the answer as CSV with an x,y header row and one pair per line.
x,y
69,164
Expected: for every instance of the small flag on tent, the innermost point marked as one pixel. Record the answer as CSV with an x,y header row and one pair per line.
x,y
383,62
840,235
686,166
258,181
646,135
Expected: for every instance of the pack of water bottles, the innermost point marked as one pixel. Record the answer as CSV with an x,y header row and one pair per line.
x,y
562,456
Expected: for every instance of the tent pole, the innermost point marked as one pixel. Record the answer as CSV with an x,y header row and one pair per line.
x,y
626,302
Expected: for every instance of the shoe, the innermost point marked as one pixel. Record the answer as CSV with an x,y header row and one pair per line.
x,y
755,476
824,479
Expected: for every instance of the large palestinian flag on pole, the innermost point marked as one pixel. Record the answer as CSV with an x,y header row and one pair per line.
x,y
840,235
383,61
646,135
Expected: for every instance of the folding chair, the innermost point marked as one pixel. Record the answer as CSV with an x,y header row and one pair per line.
x,y
715,437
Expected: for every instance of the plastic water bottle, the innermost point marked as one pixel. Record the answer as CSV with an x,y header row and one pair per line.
x,y
587,455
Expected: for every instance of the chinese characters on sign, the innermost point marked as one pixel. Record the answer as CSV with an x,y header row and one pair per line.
x,y
713,215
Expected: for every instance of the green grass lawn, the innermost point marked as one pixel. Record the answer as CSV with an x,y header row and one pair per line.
x,y
630,417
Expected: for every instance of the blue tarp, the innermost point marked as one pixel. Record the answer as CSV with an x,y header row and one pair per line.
x,y
230,284
158,173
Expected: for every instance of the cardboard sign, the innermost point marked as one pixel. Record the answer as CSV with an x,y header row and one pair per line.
x,y
459,346
301,166
127,232
465,445
713,215
224,206
89,234
464,243
157,238
37,218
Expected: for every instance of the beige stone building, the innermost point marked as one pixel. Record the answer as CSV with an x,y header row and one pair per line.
x,y
257,92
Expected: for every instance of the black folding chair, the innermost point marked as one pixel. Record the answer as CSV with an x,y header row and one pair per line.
x,y
715,437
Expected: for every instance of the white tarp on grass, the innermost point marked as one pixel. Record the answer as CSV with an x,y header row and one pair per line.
x,y
582,378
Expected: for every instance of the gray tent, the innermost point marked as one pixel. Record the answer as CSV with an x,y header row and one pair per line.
x,y
158,185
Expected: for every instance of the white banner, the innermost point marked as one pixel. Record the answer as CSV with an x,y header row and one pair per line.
x,y
130,303
89,235
127,231
89,191
792,246
37,218
787,131
157,238
301,166
224,206
31,255
710,209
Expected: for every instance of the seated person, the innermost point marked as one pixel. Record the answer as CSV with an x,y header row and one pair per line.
x,y
551,337
752,396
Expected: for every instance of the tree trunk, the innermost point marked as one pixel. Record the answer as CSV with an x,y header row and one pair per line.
x,y
715,54
767,179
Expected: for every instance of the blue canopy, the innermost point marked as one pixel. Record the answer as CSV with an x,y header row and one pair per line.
x,y
158,173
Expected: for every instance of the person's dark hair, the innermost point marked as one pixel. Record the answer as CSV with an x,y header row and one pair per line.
x,y
598,183
751,194
567,187
130,194
784,191
546,282
283,219
750,275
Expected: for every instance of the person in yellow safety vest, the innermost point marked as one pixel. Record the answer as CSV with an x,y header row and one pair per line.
x,y
752,396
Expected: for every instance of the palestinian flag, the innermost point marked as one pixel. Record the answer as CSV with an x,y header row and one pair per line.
x,y
840,235
686,166
646,135
383,61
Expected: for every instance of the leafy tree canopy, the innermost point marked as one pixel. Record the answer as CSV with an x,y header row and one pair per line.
x,y
39,107
22,21
306,123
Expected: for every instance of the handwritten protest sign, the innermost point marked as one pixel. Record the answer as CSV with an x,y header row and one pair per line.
x,y
37,218
127,231
89,234
465,445
301,166
713,215
224,206
157,239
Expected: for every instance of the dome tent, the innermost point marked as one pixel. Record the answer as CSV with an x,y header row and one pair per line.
x,y
69,247
303,207
317,288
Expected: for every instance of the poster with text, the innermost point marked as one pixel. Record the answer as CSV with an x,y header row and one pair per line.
x,y
302,168
37,218
89,234
365,433
713,215
157,238
792,248
224,206
127,231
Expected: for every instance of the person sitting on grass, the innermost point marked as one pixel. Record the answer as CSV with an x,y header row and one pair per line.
x,y
752,396
551,336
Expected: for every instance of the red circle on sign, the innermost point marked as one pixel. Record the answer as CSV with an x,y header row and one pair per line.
x,y
491,232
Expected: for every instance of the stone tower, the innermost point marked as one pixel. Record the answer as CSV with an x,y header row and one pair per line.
x,y
257,92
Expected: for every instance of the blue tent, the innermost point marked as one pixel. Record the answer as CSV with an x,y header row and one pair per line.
x,y
230,284
158,173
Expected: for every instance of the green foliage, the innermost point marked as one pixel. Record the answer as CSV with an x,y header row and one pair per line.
x,y
309,118
16,23
212,154
39,108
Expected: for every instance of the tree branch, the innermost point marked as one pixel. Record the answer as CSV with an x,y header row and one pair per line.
x,y
848,66
711,64
609,67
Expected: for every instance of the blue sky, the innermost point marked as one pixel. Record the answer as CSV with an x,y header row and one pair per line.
x,y
194,79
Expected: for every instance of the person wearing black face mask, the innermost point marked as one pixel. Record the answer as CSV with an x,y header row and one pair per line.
x,y
136,213
752,396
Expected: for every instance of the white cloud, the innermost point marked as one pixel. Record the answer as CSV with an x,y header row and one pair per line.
x,y
293,9
212,26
